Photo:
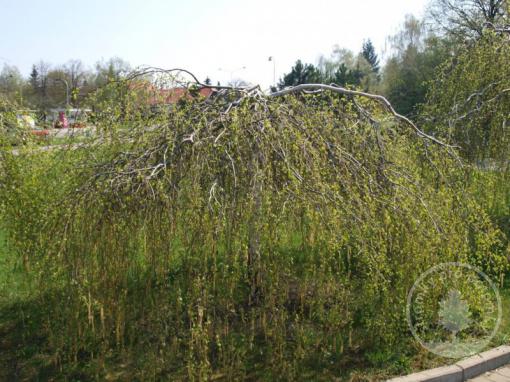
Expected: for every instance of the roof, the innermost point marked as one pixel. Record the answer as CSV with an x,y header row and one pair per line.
x,y
169,96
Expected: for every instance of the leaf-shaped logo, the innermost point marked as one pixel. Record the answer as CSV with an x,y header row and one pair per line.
x,y
454,314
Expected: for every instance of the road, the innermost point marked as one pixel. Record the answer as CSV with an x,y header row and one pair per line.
x,y
63,133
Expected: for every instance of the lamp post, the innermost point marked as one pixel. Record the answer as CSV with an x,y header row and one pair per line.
x,y
271,58
21,94
20,90
67,89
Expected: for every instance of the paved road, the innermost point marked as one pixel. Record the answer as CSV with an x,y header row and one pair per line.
x,y
499,375
62,133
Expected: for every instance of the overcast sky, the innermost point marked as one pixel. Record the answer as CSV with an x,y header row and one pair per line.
x,y
199,35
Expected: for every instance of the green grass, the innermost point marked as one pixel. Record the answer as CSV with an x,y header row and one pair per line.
x,y
503,335
14,283
21,343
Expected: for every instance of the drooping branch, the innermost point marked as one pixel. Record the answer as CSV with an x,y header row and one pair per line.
x,y
255,91
500,29
154,70
357,93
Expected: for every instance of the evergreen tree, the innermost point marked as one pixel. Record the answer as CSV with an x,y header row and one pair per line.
x,y
34,79
301,74
342,75
368,52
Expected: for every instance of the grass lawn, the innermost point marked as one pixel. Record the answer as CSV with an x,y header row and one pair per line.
x,y
14,283
503,336
20,345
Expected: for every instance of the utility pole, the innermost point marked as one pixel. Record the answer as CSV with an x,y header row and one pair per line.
x,y
20,91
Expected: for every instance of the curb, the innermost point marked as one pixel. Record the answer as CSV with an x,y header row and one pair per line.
x,y
462,370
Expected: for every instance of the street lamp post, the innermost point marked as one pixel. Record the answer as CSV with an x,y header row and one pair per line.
x,y
67,89
20,91
271,58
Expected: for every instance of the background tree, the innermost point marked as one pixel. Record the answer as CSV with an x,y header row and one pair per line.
x,y
11,83
43,90
39,85
416,53
110,70
339,68
300,74
75,74
57,89
368,52
466,19
342,67
34,80
238,83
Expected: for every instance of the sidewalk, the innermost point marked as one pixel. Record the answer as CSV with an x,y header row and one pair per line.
x,y
499,375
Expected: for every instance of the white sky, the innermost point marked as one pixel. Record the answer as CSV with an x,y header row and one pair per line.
x,y
199,35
